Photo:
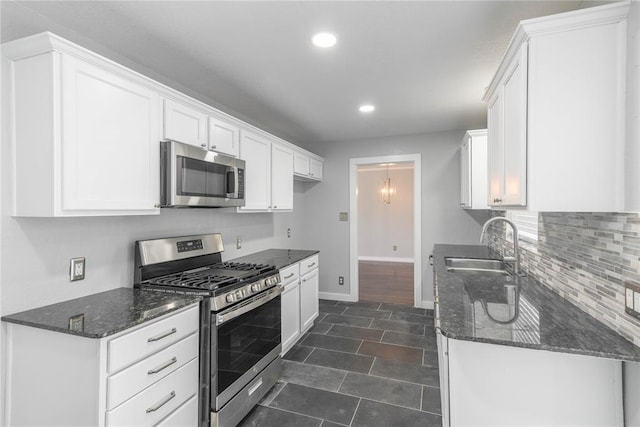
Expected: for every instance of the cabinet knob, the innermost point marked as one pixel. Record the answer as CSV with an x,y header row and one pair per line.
x,y
157,205
203,145
213,147
275,207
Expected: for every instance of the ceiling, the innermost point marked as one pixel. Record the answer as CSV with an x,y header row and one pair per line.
x,y
424,64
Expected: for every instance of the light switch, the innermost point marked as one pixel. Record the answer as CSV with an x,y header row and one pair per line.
x,y
629,298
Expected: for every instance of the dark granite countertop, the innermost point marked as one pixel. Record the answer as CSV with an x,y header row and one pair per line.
x,y
517,311
281,258
105,313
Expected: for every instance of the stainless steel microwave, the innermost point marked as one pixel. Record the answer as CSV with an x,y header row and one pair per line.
x,y
193,177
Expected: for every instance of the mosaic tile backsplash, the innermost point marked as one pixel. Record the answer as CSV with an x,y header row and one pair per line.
x,y
585,258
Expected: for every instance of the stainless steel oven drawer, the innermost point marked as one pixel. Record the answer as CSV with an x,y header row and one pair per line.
x,y
238,407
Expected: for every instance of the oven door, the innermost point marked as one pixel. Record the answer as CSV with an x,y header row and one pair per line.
x,y
248,339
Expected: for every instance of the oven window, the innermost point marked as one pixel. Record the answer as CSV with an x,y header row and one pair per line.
x,y
243,341
200,178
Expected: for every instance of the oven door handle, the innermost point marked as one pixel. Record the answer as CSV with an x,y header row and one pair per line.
x,y
247,306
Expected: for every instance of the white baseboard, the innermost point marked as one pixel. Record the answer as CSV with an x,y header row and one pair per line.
x,y
336,297
385,259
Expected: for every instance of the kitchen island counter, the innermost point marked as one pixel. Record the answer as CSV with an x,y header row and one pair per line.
x,y
516,311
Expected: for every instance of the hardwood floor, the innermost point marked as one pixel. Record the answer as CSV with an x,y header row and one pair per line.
x,y
386,282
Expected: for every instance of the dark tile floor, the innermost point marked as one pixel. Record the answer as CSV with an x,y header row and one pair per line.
x,y
361,364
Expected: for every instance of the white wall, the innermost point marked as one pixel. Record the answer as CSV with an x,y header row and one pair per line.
x,y
443,221
382,226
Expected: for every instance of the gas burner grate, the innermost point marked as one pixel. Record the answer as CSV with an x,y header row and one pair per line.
x,y
194,280
243,266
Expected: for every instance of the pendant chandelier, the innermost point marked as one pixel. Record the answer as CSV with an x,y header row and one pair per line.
x,y
387,190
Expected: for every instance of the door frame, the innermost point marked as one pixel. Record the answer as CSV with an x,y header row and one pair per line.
x,y
415,159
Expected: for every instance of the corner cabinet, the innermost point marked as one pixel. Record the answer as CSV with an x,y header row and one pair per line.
x,y
556,109
268,176
144,376
473,170
86,138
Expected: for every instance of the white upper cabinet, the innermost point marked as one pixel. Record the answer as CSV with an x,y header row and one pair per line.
x,y
281,177
86,138
224,137
556,110
473,170
185,124
268,175
256,152
307,168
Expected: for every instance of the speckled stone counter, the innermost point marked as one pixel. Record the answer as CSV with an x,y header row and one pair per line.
x,y
105,313
517,311
281,258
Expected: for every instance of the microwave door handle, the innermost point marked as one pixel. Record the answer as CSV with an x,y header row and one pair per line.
x,y
232,184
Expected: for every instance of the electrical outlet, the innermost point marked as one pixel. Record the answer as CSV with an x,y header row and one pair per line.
x,y
76,269
340,280
395,247
238,242
288,233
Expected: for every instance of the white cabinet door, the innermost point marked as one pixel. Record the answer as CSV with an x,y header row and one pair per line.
x,y
256,152
443,372
110,149
281,177
184,124
309,304
224,137
290,315
301,164
515,132
315,169
495,149
465,172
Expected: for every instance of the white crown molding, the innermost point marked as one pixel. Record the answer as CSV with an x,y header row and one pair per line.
x,y
576,19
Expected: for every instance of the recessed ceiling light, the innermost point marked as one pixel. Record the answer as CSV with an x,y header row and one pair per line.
x,y
367,108
324,39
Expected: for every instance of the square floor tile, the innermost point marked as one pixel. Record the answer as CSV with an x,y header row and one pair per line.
x,y
312,375
401,308
322,302
338,360
389,325
361,304
348,345
367,312
411,372
316,403
412,318
339,319
334,309
410,340
298,353
371,413
431,400
355,332
430,358
320,327
391,351
383,390
262,416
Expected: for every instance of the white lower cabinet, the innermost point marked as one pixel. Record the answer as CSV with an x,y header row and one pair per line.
x,y
497,385
143,376
300,304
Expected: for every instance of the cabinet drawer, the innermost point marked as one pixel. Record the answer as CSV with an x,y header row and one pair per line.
x,y
311,263
184,416
290,274
156,402
132,380
129,348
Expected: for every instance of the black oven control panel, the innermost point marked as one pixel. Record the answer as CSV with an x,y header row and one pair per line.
x,y
189,245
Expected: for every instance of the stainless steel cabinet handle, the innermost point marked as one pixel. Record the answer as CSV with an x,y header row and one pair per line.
x,y
255,387
162,367
311,265
161,336
162,403
289,276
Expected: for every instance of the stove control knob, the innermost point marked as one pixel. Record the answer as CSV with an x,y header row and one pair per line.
x,y
239,294
256,287
230,298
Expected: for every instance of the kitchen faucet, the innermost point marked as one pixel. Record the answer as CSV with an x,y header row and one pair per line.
x,y
516,250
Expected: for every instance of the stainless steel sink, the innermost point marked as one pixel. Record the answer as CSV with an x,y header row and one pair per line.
x,y
476,264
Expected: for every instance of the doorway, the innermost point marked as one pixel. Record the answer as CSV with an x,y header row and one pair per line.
x,y
385,232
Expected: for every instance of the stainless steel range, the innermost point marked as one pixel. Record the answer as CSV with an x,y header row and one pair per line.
x,y
240,332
